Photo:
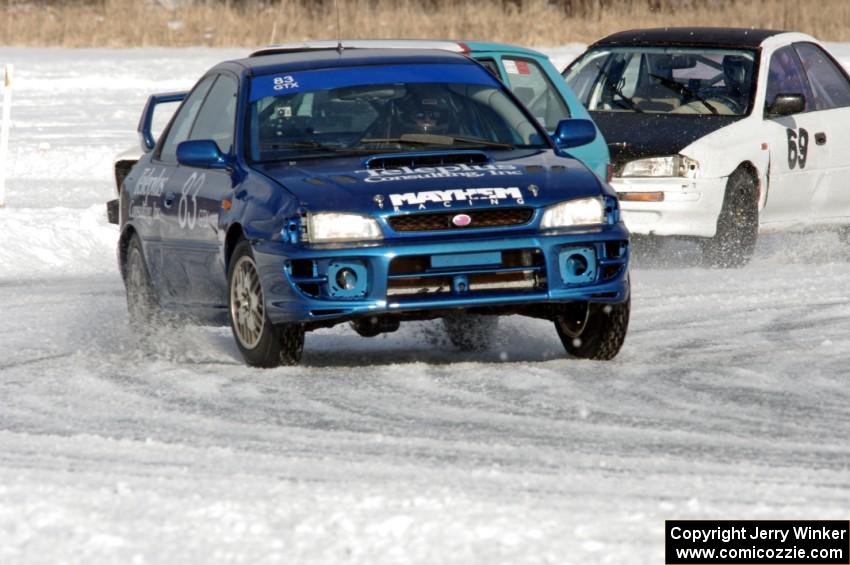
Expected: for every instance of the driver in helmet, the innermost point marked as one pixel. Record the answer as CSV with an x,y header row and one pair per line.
x,y
737,75
426,111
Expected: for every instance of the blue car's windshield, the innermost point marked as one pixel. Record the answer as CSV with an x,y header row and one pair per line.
x,y
365,112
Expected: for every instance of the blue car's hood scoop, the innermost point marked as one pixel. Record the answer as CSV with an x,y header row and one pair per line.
x,y
431,159
437,181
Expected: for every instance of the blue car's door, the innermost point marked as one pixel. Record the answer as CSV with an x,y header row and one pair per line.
x,y
192,272
160,175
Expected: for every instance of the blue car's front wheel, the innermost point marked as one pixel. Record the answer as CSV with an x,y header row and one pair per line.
x,y
593,331
262,343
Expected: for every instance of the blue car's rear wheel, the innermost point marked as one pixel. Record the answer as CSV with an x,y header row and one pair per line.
x,y
142,306
593,331
262,343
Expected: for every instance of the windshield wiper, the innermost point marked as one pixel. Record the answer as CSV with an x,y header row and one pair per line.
x,y
433,139
683,90
618,91
484,142
303,144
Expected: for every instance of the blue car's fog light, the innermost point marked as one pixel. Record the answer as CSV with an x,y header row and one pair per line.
x,y
347,279
577,264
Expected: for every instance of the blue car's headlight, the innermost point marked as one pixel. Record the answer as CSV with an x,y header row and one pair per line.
x,y
579,212
335,227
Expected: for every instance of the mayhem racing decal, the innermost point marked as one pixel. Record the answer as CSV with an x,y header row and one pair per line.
x,y
446,198
451,171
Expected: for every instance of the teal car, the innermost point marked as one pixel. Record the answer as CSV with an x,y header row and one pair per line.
x,y
529,74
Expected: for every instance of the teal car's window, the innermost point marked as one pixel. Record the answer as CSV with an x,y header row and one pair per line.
x,y
182,123
674,80
491,66
378,117
534,89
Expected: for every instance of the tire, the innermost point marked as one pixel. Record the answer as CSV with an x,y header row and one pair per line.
x,y
737,226
593,331
471,332
143,308
262,343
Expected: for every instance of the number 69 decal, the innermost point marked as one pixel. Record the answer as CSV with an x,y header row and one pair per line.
x,y
798,148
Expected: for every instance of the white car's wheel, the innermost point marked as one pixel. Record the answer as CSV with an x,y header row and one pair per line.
x,y
738,224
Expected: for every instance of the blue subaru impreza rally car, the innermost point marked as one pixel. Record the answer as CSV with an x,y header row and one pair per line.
x,y
292,192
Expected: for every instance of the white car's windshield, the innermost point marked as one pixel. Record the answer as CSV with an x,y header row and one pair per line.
x,y
325,115
674,80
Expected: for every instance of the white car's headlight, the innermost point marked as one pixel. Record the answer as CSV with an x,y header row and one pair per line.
x,y
580,212
332,226
673,166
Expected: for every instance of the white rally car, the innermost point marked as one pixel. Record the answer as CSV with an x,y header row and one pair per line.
x,y
719,133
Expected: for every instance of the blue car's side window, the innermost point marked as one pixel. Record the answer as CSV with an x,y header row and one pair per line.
x,y
218,114
182,124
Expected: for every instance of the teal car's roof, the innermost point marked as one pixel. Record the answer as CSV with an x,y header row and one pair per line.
x,y
475,46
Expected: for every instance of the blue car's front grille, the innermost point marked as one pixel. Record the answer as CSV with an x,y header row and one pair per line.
x,y
438,221
521,270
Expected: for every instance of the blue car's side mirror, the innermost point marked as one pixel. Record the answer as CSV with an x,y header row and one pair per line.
x,y
574,132
201,154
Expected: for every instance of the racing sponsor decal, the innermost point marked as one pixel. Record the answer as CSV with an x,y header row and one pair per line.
x,y
469,196
150,184
451,171
145,212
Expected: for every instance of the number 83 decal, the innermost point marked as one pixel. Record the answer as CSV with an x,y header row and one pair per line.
x,y
798,148
187,209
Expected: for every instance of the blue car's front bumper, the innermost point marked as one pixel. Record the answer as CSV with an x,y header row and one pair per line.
x,y
399,277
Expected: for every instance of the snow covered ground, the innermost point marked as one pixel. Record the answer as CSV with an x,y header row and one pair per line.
x,y
729,400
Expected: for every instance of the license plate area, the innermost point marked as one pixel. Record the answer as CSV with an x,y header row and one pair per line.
x,y
456,260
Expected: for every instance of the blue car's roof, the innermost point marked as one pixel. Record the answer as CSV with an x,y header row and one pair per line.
x,y
456,46
331,58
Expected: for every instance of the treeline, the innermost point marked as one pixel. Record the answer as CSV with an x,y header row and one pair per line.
x,y
248,23
569,7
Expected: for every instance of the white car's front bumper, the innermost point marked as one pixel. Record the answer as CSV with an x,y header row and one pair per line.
x,y
674,206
